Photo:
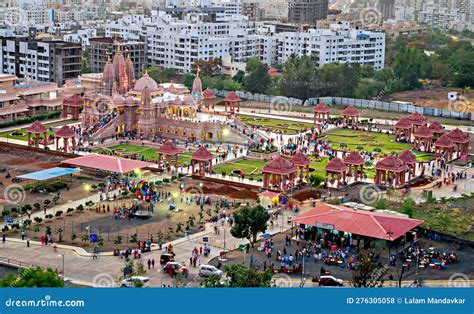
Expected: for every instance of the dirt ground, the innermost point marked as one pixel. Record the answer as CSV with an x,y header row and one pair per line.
x,y
104,223
433,97
18,162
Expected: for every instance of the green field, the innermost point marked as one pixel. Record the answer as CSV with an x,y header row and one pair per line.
x,y
284,126
371,140
24,135
149,153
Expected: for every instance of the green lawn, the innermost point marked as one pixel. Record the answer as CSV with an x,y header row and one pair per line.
x,y
284,126
149,153
370,141
24,135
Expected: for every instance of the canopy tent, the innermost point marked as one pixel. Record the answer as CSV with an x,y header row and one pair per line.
x,y
47,174
108,163
370,224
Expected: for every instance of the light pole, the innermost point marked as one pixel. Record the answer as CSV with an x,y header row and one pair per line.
x,y
64,260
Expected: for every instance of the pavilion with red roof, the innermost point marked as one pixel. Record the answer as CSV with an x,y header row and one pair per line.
x,y
422,137
72,105
350,116
391,171
354,159
208,96
301,161
37,128
444,148
360,223
403,129
336,168
321,112
66,133
436,129
461,140
231,100
283,173
417,120
170,153
410,160
107,163
202,156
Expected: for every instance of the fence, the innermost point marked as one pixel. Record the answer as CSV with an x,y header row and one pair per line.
x,y
361,103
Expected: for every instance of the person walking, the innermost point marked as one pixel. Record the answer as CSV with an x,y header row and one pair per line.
x,y
153,263
149,264
28,242
4,238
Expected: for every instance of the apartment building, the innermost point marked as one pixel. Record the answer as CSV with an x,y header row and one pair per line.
x,y
41,60
307,11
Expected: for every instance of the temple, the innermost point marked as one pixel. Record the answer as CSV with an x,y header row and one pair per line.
x,y
123,106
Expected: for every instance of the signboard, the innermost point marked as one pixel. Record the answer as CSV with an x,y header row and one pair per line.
x,y
324,226
205,239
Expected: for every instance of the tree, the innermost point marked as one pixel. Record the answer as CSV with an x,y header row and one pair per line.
x,y
410,65
240,276
60,232
239,77
32,278
257,80
315,180
248,222
161,75
368,274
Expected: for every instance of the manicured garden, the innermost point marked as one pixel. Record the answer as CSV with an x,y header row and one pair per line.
x,y
276,125
371,141
22,134
148,153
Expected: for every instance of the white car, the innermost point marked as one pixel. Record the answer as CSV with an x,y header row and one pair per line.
x,y
130,282
209,270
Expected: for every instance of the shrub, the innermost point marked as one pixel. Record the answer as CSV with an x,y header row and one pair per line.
x,y
69,210
40,117
59,213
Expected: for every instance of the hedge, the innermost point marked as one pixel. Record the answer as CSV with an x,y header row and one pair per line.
x,y
40,117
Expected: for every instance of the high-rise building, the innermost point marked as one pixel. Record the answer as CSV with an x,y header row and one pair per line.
x,y
42,60
386,8
307,11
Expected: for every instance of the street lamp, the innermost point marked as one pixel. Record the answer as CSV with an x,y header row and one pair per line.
x,y
63,256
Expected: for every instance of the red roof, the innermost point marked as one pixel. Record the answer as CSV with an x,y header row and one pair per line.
x,y
361,222
350,111
423,131
354,158
444,141
458,136
391,163
321,108
208,94
36,127
202,154
108,163
168,148
232,97
336,165
407,157
279,165
65,131
300,159
74,100
436,127
417,118
404,123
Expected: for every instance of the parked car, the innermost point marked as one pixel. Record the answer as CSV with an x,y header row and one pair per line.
x,y
330,281
131,282
209,270
166,257
173,268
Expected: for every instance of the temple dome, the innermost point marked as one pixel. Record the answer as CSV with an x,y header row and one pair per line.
x,y
146,81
